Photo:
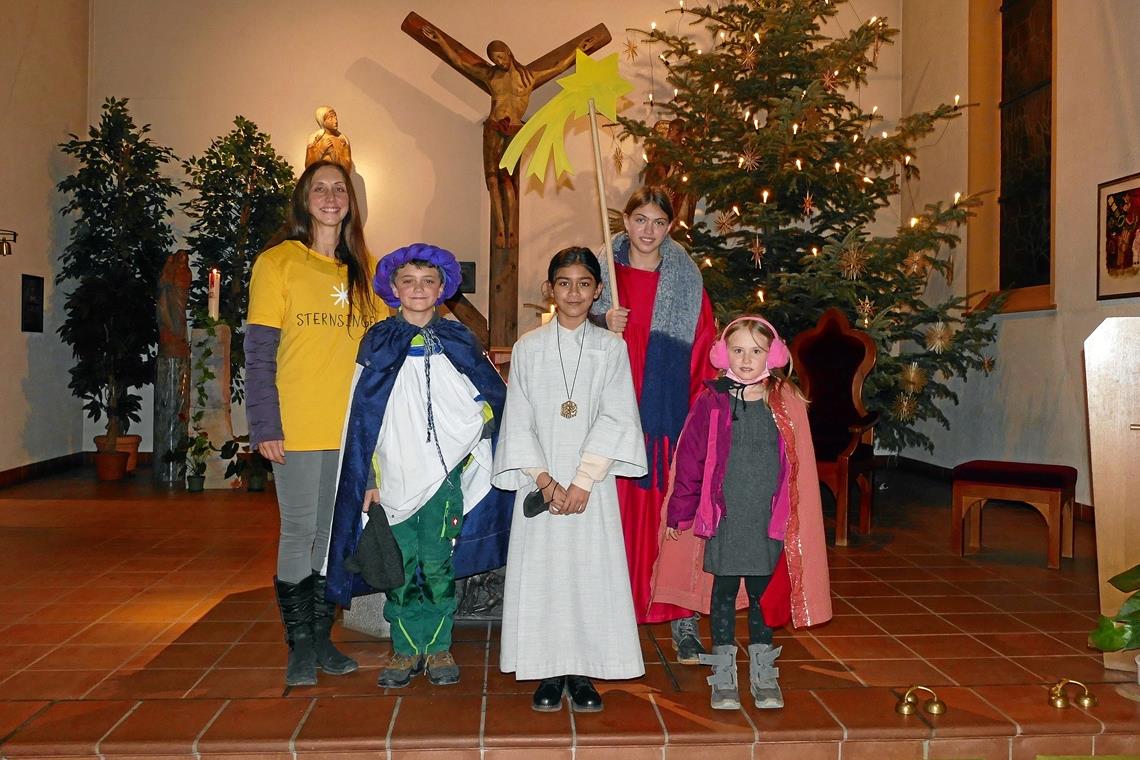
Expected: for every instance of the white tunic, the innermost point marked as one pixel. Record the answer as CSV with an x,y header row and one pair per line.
x,y
567,607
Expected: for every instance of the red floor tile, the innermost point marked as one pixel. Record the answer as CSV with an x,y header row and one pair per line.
x,y
628,719
15,714
240,683
161,728
417,723
1029,708
689,719
51,684
984,671
506,713
870,714
67,728
254,725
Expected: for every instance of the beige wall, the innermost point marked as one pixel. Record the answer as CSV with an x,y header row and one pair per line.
x,y
414,123
43,68
1033,407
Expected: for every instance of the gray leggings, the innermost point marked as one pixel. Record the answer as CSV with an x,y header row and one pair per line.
x,y
306,490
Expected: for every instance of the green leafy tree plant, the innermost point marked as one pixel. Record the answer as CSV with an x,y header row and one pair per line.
x,y
120,238
241,190
1121,631
791,173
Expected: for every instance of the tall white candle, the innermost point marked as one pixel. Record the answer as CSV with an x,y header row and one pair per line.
x,y
214,293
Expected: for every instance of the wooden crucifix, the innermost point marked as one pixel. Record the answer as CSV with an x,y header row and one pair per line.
x,y
510,84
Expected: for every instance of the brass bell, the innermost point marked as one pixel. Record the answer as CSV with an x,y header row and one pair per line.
x,y
1059,699
908,705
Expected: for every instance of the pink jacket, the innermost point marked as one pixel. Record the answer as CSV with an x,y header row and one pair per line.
x,y
800,590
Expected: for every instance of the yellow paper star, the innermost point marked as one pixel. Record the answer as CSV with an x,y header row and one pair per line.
x,y
592,80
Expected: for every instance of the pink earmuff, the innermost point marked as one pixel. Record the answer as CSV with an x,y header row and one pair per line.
x,y
778,355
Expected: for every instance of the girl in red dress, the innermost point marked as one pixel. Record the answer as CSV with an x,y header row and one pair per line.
x,y
668,326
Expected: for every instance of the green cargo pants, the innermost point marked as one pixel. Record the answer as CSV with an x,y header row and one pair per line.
x,y
423,609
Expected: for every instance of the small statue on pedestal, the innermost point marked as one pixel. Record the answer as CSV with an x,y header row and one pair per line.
x,y
328,143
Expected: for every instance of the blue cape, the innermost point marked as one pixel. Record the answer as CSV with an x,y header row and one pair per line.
x,y
482,543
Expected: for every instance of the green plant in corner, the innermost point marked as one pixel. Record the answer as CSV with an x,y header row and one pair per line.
x,y
1121,631
242,188
119,241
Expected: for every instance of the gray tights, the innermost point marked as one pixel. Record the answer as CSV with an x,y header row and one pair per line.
x,y
306,489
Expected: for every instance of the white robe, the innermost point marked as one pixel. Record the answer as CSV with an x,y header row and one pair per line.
x,y
567,606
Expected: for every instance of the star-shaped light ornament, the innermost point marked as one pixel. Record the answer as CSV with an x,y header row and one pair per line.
x,y
865,309
905,407
619,158
749,160
598,81
830,81
853,262
938,337
725,222
758,249
988,364
749,59
914,378
808,205
915,263
630,50
339,295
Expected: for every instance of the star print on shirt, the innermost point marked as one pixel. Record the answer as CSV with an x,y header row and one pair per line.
x,y
340,295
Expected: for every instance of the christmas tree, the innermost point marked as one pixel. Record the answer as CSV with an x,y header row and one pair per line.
x,y
242,188
787,173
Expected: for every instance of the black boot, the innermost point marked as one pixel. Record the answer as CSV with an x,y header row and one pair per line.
x,y
295,600
329,657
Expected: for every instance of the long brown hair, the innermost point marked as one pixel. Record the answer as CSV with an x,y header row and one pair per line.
x,y
780,376
350,251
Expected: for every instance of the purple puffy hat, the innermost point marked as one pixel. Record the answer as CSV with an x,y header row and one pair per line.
x,y
434,255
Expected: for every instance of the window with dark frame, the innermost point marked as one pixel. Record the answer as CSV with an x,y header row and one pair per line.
x,y
1026,142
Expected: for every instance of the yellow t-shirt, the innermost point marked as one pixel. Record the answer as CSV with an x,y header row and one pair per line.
x,y
305,295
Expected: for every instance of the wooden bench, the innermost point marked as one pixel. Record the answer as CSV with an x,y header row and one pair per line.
x,y
1048,488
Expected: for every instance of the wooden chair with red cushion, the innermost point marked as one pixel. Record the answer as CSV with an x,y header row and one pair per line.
x,y
831,361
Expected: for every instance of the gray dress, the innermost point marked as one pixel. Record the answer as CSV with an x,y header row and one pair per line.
x,y
741,545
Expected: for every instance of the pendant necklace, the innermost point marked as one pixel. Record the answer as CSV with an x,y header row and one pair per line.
x,y
569,408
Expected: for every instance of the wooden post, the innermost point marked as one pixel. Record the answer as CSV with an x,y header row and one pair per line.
x,y
602,208
1112,364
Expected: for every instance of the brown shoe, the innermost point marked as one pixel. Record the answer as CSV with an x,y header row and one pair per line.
x,y
442,669
400,670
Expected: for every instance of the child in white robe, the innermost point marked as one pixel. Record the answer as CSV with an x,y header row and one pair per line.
x,y
570,425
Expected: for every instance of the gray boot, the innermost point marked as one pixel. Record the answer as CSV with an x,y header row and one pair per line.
x,y
725,694
686,640
763,675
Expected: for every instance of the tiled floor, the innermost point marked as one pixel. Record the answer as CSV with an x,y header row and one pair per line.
x,y
135,622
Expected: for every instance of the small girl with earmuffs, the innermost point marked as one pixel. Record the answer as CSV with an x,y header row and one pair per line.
x,y
744,479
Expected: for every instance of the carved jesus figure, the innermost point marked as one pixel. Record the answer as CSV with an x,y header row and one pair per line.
x,y
510,84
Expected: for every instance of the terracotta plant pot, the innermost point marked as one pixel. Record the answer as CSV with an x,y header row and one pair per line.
x,y
125,443
111,465
195,483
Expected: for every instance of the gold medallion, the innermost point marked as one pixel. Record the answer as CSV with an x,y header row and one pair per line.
x,y
569,409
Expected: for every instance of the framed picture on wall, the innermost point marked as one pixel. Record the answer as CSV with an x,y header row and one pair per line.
x,y
1118,238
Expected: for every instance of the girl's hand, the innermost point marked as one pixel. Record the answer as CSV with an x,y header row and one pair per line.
x,y
672,534
371,496
274,451
616,319
576,499
558,500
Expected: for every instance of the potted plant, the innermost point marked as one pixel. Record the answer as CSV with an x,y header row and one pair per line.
x,y
118,243
198,451
246,464
1121,631
242,188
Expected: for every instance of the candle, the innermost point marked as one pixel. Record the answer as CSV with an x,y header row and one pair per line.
x,y
214,294
546,316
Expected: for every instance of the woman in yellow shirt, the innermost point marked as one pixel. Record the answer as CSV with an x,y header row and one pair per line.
x,y
310,303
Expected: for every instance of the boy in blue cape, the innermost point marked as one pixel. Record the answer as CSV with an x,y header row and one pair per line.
x,y
418,443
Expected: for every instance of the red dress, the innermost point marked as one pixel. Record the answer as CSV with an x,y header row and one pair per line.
x,y
640,507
